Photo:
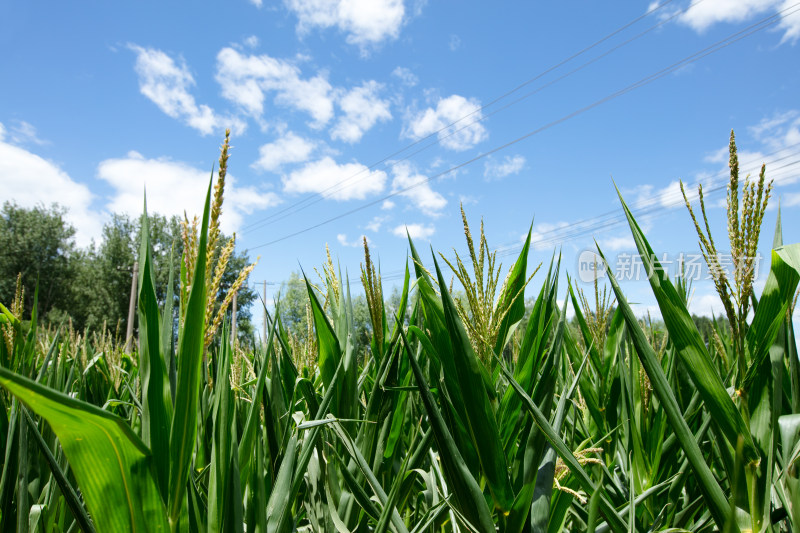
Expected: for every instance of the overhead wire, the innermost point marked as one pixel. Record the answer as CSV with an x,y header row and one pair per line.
x,y
334,189
719,45
339,185
653,206
662,200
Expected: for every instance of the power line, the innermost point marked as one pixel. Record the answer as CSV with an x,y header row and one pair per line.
x,y
651,207
719,45
654,200
657,209
655,204
336,187
332,189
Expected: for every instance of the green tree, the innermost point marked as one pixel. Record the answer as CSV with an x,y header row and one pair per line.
x,y
118,251
91,286
108,269
294,299
37,244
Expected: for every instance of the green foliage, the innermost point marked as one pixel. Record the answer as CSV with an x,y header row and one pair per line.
x,y
295,308
39,244
608,423
91,286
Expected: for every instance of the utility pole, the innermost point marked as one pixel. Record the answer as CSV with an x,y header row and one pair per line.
x,y
233,320
132,307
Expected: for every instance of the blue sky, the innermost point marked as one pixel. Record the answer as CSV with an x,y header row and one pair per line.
x,y
100,99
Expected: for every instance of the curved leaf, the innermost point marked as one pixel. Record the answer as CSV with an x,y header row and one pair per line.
x,y
114,469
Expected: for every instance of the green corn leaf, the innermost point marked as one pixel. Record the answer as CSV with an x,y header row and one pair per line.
x,y
168,329
513,297
611,515
790,442
440,350
330,351
715,498
690,346
249,432
538,486
530,355
291,473
479,414
355,487
156,400
775,300
280,500
114,469
389,507
467,494
365,469
190,359
224,496
69,492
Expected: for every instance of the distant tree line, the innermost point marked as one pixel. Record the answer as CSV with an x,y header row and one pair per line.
x,y
90,287
293,301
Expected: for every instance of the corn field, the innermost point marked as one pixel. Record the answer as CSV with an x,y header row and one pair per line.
x,y
470,414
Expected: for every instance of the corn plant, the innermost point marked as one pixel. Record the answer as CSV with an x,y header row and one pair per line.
x,y
442,426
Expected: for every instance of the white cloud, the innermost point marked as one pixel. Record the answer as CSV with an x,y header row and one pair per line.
x,y
387,205
246,80
347,181
342,238
416,231
408,78
706,304
456,121
30,180
702,15
543,236
454,43
376,223
23,133
421,195
778,136
615,244
2,132
778,131
362,109
493,169
174,187
717,156
257,3
789,200
671,196
166,83
366,22
790,23
252,41
291,148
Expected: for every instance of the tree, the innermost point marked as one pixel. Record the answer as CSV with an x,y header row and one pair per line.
x,y
705,325
293,302
109,268
91,286
37,244
120,248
